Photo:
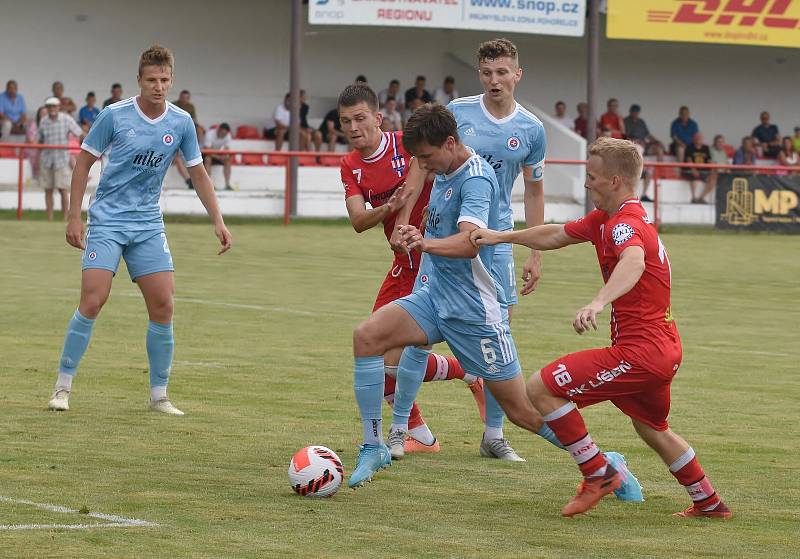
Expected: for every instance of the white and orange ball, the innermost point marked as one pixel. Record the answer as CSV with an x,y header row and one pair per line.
x,y
315,471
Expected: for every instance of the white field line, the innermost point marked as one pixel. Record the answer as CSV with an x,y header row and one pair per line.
x,y
113,521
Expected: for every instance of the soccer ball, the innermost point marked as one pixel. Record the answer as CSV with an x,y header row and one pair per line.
x,y
315,471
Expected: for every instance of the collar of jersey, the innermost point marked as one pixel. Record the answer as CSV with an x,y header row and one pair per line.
x,y
147,118
629,201
463,166
378,153
494,119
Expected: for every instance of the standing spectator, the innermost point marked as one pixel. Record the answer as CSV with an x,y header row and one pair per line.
x,y
767,137
562,117
392,119
282,117
12,111
220,139
787,157
611,122
698,152
638,132
682,132
308,135
331,129
796,138
392,91
582,120
447,92
746,154
116,95
184,102
54,172
719,152
32,137
67,104
88,113
418,92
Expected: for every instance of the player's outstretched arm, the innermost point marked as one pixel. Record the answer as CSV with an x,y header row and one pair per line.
x,y
625,276
205,191
454,246
542,237
80,176
363,218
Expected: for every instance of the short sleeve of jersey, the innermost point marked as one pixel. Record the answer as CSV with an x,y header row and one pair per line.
x,y
536,156
586,228
476,198
100,134
624,232
190,149
349,181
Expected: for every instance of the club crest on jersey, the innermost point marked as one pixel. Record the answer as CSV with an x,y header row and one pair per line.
x,y
621,233
513,143
399,164
168,139
448,194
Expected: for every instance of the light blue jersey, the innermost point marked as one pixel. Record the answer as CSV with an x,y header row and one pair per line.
x,y
463,288
142,150
507,144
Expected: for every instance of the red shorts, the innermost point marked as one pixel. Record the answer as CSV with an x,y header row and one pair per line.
x,y
639,389
398,283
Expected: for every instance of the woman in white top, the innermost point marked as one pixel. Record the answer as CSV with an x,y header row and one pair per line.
x,y
788,156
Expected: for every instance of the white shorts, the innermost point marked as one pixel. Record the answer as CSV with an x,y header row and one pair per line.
x,y
50,178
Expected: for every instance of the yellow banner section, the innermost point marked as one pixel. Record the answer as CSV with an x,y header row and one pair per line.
x,y
773,23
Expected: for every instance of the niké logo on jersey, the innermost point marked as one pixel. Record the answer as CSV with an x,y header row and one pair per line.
x,y
433,219
495,163
149,159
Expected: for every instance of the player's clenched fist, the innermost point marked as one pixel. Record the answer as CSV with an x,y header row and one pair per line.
x,y
411,238
480,237
75,233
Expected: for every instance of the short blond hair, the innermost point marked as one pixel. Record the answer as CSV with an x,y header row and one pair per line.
x,y
157,56
498,48
620,157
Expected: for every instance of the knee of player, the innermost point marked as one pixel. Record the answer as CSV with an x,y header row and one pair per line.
x,y
365,340
91,305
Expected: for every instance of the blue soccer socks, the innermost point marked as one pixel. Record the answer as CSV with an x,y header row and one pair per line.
x,y
160,348
79,332
368,387
410,375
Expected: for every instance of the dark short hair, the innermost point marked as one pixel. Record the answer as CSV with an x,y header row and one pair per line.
x,y
430,124
116,85
560,103
717,137
225,126
635,108
613,100
449,79
9,82
357,93
683,108
186,91
391,98
90,94
420,78
394,82
498,48
361,78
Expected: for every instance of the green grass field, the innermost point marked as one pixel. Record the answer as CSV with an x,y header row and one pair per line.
x,y
263,367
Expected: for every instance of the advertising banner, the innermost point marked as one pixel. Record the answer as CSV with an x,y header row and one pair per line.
x,y
546,17
758,202
737,22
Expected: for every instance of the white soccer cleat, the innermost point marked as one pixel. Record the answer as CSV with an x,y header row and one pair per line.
x,y
59,401
397,441
500,449
164,406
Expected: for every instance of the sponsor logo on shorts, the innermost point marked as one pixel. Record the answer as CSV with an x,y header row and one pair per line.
x,y
513,143
621,233
601,378
168,139
92,255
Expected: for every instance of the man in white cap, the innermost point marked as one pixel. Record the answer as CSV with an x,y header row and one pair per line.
x,y
54,170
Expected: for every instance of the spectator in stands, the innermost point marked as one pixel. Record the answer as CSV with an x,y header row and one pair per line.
x,y
447,92
361,79
581,121
699,153
54,172
767,137
637,131
184,101
331,129
415,104
746,154
682,132
719,151
611,123
796,138
787,157
392,119
32,137
418,92
67,104
308,135
12,111
88,113
116,95
562,117
219,139
392,91
282,117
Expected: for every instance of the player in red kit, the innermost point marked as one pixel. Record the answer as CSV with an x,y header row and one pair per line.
x,y
380,172
636,371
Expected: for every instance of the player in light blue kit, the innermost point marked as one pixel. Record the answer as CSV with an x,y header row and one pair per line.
x,y
460,303
144,133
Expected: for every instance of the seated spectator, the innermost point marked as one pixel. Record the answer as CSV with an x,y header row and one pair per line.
x,y
447,92
637,131
392,119
562,117
611,123
67,104
392,91
796,138
746,154
331,129
12,111
88,113
116,95
308,135
411,107
418,92
767,137
719,151
698,152
282,118
219,138
787,157
581,121
682,132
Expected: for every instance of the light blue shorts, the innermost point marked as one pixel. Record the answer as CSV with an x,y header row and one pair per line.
x,y
145,252
487,351
503,270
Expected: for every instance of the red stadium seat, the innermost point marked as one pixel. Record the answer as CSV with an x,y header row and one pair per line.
x,y
307,160
331,161
277,159
245,132
252,159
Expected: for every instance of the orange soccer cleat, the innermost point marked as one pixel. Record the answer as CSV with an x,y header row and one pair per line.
x,y
720,511
591,490
476,387
413,445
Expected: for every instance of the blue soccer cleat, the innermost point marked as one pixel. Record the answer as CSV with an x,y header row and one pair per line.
x,y
631,489
371,458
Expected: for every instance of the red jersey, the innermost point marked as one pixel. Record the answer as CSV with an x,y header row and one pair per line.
x,y
377,177
642,317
